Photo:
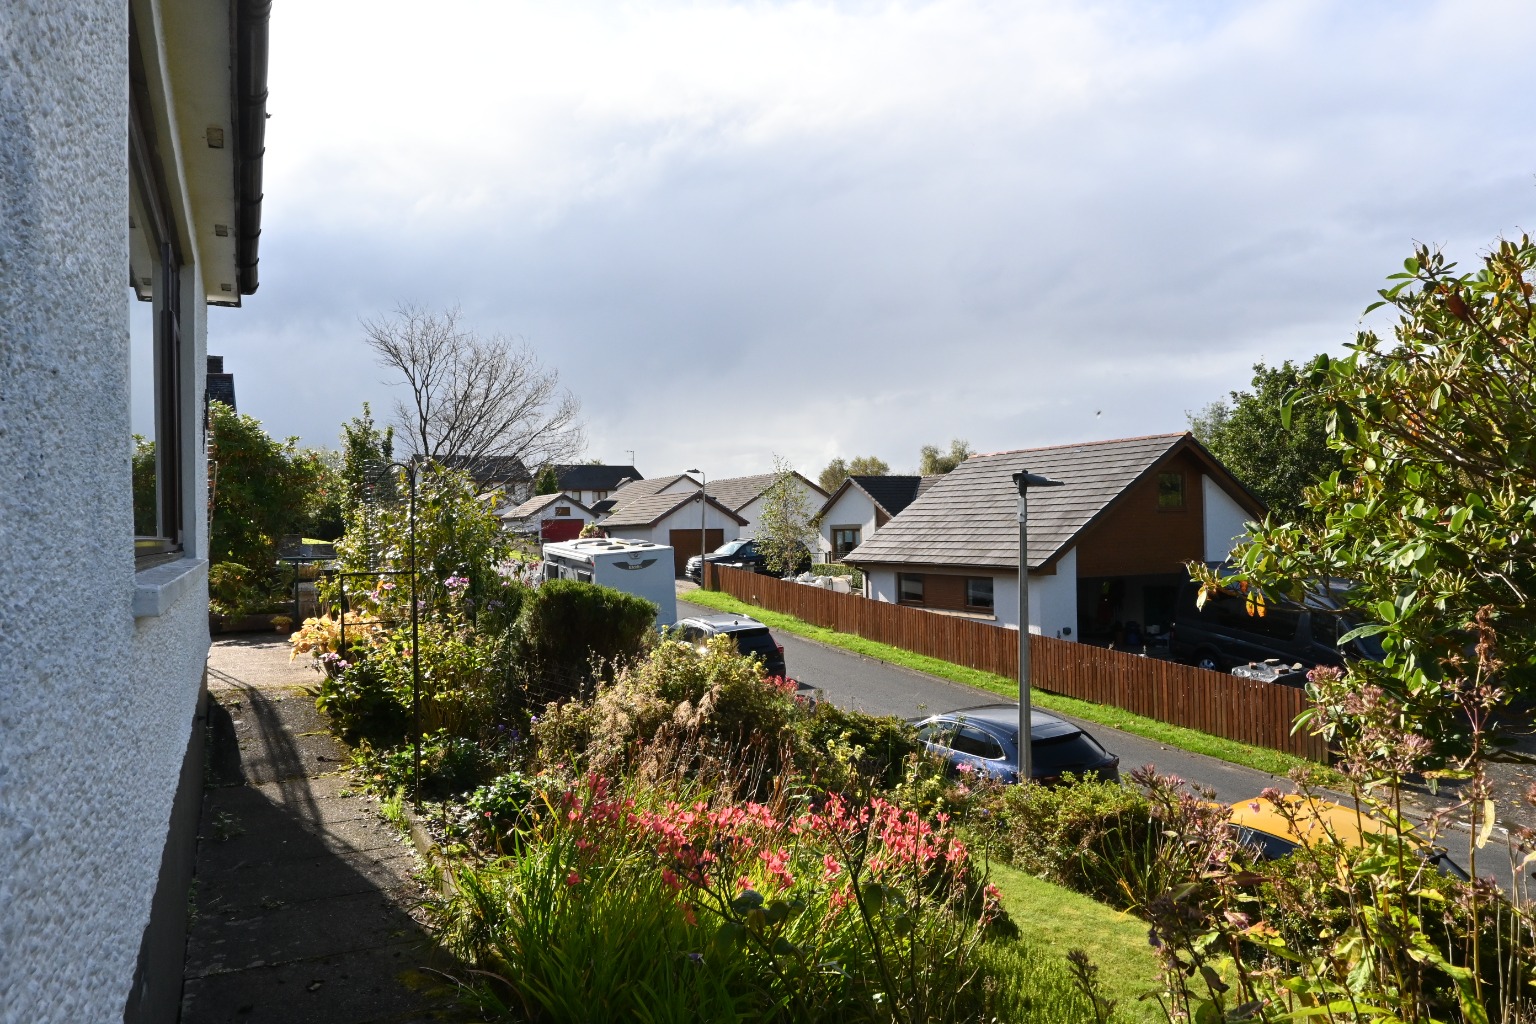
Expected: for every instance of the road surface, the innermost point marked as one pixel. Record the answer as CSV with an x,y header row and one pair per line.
x,y
852,681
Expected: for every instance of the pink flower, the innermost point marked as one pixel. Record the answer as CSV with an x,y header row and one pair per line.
x,y
573,879
670,878
965,769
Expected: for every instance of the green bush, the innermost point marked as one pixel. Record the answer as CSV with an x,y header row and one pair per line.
x,y
451,766
874,747
576,635
1097,838
362,704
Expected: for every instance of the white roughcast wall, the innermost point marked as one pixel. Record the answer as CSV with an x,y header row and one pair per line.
x,y
1225,521
1052,599
95,707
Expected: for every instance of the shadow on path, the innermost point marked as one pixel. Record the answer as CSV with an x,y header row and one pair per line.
x,y
305,903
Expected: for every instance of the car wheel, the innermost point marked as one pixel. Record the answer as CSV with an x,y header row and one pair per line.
x,y
1208,661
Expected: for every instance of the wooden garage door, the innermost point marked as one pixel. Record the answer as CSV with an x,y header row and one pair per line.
x,y
685,544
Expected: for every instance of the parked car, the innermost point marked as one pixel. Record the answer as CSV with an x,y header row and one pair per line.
x,y
1269,831
1233,629
741,554
752,638
986,739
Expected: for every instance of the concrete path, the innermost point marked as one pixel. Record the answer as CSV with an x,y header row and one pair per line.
x,y
305,899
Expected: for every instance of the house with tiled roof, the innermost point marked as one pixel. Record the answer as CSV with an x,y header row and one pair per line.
x,y
677,483
589,482
551,517
675,518
744,495
1107,549
860,506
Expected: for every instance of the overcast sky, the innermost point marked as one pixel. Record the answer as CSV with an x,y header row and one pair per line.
x,y
825,229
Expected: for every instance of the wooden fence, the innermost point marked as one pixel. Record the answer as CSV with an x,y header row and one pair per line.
x,y
1223,705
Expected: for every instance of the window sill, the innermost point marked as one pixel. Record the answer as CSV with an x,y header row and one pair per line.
x,y
157,589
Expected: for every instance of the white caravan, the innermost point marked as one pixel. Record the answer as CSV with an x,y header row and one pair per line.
x,y
634,566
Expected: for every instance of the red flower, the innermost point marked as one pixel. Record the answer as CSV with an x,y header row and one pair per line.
x,y
573,879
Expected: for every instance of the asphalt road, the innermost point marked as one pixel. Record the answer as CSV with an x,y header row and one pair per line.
x,y
852,681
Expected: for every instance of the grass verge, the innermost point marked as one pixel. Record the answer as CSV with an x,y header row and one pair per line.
x,y
1259,758
1056,920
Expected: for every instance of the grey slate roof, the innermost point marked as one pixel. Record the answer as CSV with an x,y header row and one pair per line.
x,y
648,509
594,478
893,493
488,470
737,492
533,506
969,516
644,488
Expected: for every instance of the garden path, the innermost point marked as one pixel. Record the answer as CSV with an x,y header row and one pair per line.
x,y
305,901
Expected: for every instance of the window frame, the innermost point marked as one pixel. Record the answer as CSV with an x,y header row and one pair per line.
x,y
840,552
1164,492
991,602
149,205
901,581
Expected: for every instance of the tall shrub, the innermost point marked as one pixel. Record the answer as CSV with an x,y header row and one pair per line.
x,y
578,634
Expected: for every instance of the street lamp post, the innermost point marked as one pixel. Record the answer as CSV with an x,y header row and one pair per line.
x,y
703,507
1024,480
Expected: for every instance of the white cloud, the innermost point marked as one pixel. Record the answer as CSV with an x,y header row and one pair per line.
x,y
819,229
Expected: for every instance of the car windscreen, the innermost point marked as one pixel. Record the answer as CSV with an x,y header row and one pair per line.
x,y
1073,752
1266,846
730,547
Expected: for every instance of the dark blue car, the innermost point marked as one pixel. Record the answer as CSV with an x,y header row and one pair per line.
x,y
986,739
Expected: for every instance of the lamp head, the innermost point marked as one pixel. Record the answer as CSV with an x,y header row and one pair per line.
x,y
1024,478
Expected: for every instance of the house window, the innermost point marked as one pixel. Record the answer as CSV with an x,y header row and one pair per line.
x,y
909,588
978,592
562,510
154,272
1170,490
844,540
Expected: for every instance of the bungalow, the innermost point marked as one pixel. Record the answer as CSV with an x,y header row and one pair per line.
x,y
678,483
1106,551
673,518
744,495
592,483
131,151
554,517
860,506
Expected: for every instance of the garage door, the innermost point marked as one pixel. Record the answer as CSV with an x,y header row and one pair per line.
x,y
685,544
564,528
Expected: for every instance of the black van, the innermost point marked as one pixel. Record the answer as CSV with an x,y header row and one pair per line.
x,y
1229,631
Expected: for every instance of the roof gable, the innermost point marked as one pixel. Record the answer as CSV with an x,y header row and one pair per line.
x,y
968,517
650,509
737,492
595,478
533,506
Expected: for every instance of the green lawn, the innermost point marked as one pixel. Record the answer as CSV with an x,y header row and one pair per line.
x,y
1058,920
1260,758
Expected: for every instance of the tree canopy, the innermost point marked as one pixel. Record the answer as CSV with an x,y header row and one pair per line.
x,y
472,397
932,459
784,529
1277,460
1434,519
838,470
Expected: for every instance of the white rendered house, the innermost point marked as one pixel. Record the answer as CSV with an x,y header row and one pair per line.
x,y
131,141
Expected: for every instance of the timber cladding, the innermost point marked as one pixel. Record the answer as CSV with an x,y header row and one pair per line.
x,y
1138,537
1245,710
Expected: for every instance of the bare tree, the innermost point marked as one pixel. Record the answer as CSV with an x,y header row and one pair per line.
x,y
472,397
